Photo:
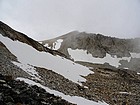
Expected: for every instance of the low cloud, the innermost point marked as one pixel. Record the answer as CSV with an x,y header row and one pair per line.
x,y
44,19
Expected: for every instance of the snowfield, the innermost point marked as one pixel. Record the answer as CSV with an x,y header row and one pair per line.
x,y
28,55
73,99
81,55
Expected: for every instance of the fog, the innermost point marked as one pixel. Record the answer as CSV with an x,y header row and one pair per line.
x,y
45,19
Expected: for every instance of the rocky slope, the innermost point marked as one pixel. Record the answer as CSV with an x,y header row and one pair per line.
x,y
115,86
15,92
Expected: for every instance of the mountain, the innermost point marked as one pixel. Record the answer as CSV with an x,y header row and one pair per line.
x,y
29,69
98,49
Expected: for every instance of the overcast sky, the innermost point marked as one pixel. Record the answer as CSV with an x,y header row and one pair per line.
x,y
44,19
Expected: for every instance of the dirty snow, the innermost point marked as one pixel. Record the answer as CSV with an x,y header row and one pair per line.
x,y
28,55
73,99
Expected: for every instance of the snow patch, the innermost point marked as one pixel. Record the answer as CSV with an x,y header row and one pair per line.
x,y
47,45
138,73
135,55
28,55
81,55
58,44
73,99
90,68
125,92
40,42
126,68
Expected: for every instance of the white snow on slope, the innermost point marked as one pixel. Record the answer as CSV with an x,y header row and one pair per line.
x,y
81,55
73,99
58,44
28,55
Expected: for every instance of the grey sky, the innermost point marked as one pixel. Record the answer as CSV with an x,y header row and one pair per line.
x,y
43,19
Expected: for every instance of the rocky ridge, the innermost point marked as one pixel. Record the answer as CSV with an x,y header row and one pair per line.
x,y
96,44
7,31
